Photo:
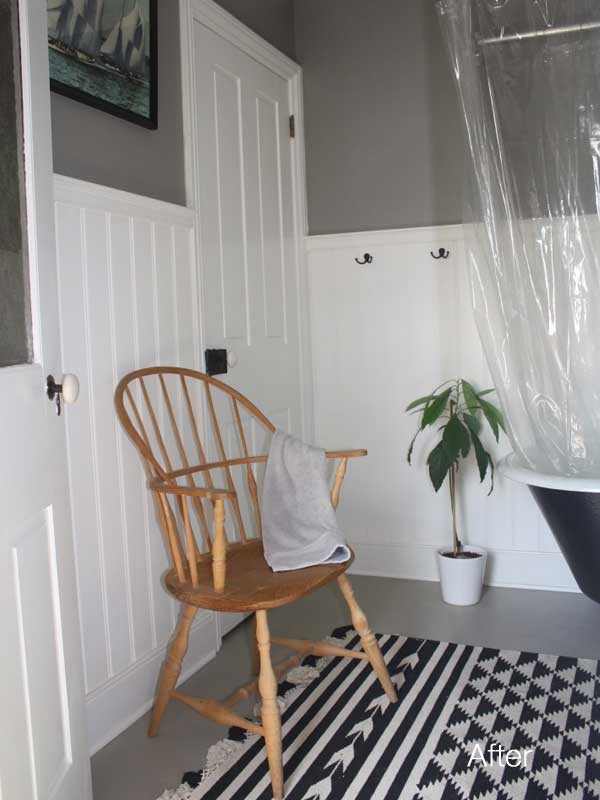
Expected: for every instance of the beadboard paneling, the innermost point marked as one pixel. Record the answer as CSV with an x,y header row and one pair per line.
x,y
383,334
128,298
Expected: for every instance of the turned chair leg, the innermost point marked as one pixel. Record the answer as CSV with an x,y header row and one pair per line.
x,y
171,668
367,639
271,719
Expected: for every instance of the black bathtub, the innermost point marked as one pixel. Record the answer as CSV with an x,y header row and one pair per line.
x,y
571,507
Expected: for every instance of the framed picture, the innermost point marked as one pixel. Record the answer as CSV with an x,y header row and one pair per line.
x,y
104,53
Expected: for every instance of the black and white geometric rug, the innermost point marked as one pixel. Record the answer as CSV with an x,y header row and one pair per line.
x,y
343,740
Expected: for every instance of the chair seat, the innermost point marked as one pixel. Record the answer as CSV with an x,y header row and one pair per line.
x,y
251,584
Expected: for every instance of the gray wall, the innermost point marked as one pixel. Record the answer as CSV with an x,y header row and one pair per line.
x,y
271,19
383,136
384,146
97,147
100,148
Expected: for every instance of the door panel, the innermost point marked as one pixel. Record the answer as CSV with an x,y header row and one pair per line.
x,y
245,199
43,750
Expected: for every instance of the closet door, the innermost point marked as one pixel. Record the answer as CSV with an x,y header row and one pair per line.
x,y
246,207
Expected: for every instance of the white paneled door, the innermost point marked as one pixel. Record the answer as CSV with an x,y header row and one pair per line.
x,y
43,752
245,196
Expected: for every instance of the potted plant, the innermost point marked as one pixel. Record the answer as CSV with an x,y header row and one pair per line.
x,y
461,410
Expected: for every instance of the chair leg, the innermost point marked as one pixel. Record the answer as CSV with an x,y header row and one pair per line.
x,y
367,639
271,719
171,668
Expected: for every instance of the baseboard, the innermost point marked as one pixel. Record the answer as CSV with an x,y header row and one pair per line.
x,y
508,568
117,704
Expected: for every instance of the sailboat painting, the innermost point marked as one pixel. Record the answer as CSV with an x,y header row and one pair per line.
x,y
104,53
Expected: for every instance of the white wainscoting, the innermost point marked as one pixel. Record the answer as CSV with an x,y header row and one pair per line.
x,y
128,298
383,334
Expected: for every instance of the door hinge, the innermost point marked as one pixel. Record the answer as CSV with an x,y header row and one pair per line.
x,y
292,126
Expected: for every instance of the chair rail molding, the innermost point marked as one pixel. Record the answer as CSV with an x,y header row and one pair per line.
x,y
128,298
394,328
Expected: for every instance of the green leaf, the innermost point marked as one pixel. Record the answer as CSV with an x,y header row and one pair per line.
x,y
491,463
472,423
418,402
435,408
493,416
439,464
470,396
482,457
486,391
412,444
456,439
499,416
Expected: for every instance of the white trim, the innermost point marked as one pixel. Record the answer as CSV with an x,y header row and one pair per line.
x,y
229,27
105,198
507,568
208,13
121,701
300,232
390,237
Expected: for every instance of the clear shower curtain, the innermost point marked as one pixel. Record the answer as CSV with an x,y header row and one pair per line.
x,y
531,109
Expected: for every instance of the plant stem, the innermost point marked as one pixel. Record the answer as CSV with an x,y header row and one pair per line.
x,y
452,482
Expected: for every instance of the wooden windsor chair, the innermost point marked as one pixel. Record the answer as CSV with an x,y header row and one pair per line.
x,y
208,571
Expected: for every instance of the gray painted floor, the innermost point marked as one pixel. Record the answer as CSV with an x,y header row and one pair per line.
x,y
134,767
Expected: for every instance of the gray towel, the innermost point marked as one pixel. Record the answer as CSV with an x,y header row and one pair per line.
x,y
298,520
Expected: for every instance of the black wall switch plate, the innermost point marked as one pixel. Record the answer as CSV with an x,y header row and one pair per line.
x,y
216,362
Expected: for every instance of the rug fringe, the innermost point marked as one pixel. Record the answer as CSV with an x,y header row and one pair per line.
x,y
183,792
221,755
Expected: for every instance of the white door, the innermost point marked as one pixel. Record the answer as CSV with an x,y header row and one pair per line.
x,y
245,197
43,752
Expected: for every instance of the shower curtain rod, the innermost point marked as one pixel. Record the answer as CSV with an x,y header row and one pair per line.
x,y
585,26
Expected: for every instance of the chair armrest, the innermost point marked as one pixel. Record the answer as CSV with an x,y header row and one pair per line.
x,y
159,485
346,453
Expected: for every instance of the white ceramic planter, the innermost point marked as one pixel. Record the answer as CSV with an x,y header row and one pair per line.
x,y
462,578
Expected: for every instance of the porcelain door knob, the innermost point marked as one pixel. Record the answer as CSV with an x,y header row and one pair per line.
x,y
70,388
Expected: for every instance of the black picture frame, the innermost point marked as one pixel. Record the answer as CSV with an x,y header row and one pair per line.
x,y
150,121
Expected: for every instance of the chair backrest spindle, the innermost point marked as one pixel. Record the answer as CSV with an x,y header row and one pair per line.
x,y
228,477
191,542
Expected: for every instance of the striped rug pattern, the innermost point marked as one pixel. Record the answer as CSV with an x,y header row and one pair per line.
x,y
343,740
